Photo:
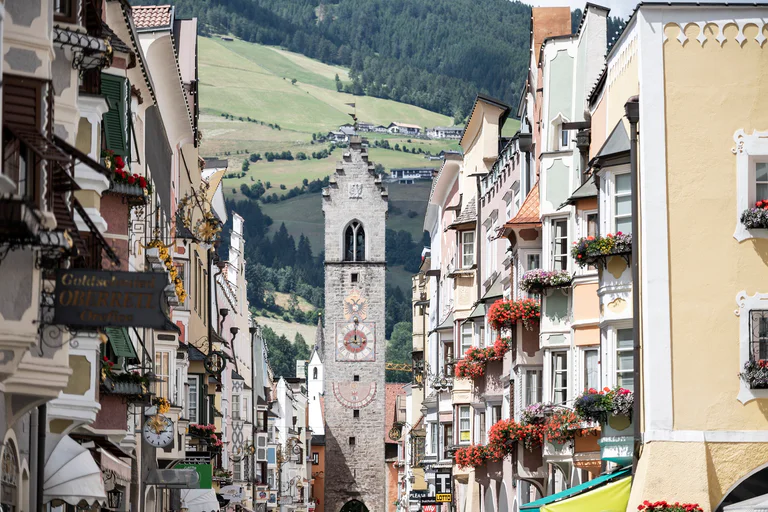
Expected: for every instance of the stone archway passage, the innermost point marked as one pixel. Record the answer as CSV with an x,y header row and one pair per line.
x,y
354,506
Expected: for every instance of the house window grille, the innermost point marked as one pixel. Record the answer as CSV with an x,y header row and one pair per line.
x,y
758,341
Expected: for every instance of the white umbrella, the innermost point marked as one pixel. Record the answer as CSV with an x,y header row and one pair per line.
x,y
70,473
199,500
758,504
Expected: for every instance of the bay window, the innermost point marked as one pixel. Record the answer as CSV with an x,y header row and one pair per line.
x,y
559,377
465,431
622,204
467,249
560,244
625,373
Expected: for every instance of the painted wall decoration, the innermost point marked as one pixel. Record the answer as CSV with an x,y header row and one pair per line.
x,y
354,395
355,305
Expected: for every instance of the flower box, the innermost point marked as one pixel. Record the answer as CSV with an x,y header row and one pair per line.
x,y
596,406
664,506
558,449
755,374
756,217
536,281
594,250
475,359
504,314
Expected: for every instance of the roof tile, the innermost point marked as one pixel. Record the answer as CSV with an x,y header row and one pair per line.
x,y
529,213
152,16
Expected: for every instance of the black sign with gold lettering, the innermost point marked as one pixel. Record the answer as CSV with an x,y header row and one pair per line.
x,y
102,298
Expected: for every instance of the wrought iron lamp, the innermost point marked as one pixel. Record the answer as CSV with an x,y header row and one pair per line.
x,y
114,498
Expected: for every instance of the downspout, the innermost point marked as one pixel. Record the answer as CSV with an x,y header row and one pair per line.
x,y
41,428
33,457
632,110
479,250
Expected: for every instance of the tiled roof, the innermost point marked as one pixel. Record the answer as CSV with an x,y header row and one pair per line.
x,y
392,391
117,44
468,214
152,16
529,212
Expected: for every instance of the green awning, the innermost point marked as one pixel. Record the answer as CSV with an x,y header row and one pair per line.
x,y
577,489
478,312
204,470
448,324
495,292
121,342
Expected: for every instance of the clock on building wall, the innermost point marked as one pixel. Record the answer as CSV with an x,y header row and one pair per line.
x,y
355,341
355,306
354,395
158,431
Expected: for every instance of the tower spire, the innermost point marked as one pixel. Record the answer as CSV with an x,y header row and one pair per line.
x,y
319,337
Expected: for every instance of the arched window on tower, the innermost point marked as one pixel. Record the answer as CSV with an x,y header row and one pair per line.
x,y
314,373
354,242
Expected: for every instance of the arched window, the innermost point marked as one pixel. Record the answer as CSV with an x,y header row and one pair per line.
x,y
354,242
314,373
9,485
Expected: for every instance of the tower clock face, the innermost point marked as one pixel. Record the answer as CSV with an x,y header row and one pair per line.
x,y
355,341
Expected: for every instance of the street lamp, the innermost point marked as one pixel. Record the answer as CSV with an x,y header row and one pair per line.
x,y
114,498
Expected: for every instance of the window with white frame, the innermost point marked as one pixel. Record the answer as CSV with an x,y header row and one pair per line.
x,y
591,374
433,436
559,377
489,253
466,337
481,427
625,373
495,414
193,397
236,407
532,387
237,471
591,224
751,150
560,244
622,204
532,261
565,139
163,373
761,181
465,425
467,249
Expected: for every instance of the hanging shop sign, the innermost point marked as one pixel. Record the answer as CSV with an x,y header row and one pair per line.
x,y
443,480
103,298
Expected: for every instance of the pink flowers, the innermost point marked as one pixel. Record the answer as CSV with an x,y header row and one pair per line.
x,y
663,506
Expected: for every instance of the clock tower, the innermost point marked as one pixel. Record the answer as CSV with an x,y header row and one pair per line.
x,y
355,210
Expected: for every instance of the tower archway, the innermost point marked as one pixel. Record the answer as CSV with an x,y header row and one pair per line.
x,y
354,506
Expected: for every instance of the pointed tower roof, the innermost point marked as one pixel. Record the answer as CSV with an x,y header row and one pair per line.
x,y
319,337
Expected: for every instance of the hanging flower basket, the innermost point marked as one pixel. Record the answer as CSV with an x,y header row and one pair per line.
x,y
472,365
536,281
503,314
594,250
471,456
757,217
597,406
755,374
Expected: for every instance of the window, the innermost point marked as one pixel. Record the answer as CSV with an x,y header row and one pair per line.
x,y
236,407
564,139
761,181
192,399
622,206
592,224
481,427
625,374
353,277
758,339
237,471
351,441
9,485
467,249
64,10
465,432
163,372
532,387
447,440
532,261
433,438
495,414
559,377
314,373
355,413
591,372
356,378
560,244
354,242
466,337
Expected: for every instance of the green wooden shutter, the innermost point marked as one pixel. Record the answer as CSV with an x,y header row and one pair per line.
x,y
116,90
121,342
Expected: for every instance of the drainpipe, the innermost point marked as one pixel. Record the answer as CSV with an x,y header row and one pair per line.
x,y
632,110
478,245
41,428
33,458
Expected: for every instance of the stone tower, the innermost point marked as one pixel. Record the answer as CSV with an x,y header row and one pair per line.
x,y
355,209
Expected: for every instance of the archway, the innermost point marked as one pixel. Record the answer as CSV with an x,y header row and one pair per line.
x,y
354,506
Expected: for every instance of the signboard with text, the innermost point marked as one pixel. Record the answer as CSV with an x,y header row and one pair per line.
x,y
103,298
428,508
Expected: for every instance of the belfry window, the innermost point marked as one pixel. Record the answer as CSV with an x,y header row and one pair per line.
x,y
354,242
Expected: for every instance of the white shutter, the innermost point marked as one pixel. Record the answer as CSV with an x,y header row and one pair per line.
x,y
261,447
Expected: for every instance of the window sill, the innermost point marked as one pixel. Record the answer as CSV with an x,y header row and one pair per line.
x,y
742,233
747,394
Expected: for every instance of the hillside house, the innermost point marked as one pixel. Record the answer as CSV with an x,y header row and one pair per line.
x,y
409,175
337,136
404,129
445,132
363,126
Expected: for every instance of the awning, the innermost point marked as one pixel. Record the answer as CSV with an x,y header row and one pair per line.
x,y
186,478
71,475
446,325
199,500
121,342
119,468
757,504
496,291
478,312
546,504
612,497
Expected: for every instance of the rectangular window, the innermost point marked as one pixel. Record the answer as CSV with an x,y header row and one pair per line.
x,y
193,399
591,372
163,372
560,244
355,413
564,139
64,10
761,181
625,374
622,206
466,337
495,414
236,408
351,441
559,377
447,440
533,261
758,340
465,432
237,471
591,224
481,427
532,387
467,249
433,438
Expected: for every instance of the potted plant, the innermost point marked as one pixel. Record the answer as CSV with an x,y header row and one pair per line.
x,y
504,314
612,408
538,280
594,249
663,506
755,374
756,217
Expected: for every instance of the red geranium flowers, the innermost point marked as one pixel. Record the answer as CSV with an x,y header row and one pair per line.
x,y
506,313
